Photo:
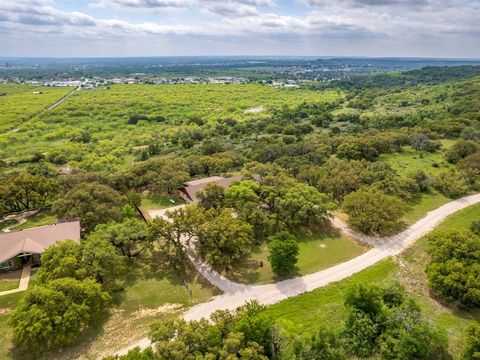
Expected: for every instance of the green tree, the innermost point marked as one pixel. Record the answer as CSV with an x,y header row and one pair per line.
x,y
130,236
372,211
302,205
61,260
360,334
410,336
102,261
92,203
460,150
323,345
54,314
471,350
176,233
454,268
23,191
450,184
245,198
283,255
212,196
470,169
223,239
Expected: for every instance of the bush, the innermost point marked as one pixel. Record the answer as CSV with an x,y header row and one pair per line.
x,y
454,269
372,211
450,184
460,150
283,253
383,321
475,227
472,342
55,314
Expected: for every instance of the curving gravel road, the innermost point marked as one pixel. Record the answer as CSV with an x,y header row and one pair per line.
x,y
237,294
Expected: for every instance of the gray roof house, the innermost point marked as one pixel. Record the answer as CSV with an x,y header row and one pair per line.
x,y
190,189
34,241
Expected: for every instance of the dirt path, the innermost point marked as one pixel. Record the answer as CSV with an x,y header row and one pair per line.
x,y
20,218
272,293
64,98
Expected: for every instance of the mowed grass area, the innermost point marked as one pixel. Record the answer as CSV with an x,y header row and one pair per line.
x,y
418,207
323,307
318,251
9,279
41,219
18,103
151,294
157,202
410,160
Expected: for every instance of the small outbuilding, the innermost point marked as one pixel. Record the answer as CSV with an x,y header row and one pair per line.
x,y
18,247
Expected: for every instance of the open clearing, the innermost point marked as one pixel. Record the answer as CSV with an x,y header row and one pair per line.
x,y
317,251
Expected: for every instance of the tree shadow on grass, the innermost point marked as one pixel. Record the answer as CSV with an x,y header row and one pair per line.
x,y
246,270
319,232
157,266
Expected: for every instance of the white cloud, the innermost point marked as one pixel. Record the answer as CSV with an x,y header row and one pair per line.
x,y
325,21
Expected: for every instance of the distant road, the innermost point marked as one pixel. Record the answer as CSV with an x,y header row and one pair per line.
x,y
273,293
64,98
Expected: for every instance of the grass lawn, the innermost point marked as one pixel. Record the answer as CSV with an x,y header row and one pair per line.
x,y
7,305
157,202
317,251
41,219
9,280
410,160
7,223
418,207
323,307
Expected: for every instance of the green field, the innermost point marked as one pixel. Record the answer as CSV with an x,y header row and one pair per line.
x,y
409,160
317,251
20,103
104,113
323,307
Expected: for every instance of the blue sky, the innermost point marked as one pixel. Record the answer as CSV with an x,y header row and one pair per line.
x,y
424,28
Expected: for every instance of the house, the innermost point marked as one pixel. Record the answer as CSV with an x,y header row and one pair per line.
x,y
20,246
190,189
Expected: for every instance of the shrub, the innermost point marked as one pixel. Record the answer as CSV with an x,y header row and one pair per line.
x,y
454,269
55,314
372,211
450,184
283,253
472,342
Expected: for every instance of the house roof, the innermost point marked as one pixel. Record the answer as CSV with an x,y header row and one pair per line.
x,y
36,240
191,188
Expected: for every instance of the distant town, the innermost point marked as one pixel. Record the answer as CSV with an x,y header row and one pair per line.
x,y
91,83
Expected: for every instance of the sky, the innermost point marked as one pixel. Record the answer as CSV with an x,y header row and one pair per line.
x,y
377,28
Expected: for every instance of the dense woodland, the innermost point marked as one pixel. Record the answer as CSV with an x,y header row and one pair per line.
x,y
305,154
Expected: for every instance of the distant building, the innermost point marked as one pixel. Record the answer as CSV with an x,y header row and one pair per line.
x,y
29,244
190,189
